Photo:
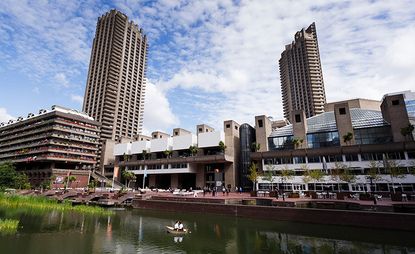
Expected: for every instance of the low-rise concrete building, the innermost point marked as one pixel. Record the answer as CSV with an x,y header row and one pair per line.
x,y
183,160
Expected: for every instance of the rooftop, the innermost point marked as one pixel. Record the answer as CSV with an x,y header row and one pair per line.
x,y
325,122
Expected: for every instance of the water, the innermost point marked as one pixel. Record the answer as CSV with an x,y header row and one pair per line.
x,y
134,231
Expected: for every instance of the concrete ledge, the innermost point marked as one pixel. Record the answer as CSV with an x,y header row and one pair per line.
x,y
396,221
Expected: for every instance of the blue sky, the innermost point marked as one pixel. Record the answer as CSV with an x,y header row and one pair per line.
x,y
208,61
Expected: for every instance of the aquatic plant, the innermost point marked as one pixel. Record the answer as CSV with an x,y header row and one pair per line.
x,y
43,203
8,226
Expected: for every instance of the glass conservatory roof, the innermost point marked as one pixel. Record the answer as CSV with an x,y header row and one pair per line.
x,y
325,122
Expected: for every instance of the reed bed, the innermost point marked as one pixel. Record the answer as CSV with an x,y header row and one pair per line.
x,y
43,203
8,226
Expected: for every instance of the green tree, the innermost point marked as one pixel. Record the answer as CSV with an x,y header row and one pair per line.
x,y
222,146
286,174
341,172
128,177
256,147
407,132
348,137
193,150
7,175
168,153
269,176
316,175
253,174
298,142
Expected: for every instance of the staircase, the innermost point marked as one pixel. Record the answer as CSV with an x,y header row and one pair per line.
x,y
101,178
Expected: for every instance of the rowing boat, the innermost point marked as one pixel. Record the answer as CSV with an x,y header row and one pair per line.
x,y
171,230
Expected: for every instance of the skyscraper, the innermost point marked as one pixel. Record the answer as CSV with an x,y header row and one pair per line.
x,y
302,85
115,89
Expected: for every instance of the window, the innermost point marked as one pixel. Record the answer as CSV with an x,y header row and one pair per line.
x,y
236,127
297,118
154,136
200,129
281,143
395,102
375,135
342,111
176,133
260,124
323,139
228,126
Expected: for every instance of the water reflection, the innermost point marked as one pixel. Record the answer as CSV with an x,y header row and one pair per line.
x,y
144,232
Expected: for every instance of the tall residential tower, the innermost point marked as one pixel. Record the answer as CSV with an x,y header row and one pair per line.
x,y
302,84
115,88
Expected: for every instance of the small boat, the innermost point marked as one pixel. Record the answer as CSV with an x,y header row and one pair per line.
x,y
171,230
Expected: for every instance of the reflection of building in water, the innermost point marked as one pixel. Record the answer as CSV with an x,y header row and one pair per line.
x,y
288,243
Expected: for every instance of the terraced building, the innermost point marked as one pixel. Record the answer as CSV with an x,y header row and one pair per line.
x,y
58,142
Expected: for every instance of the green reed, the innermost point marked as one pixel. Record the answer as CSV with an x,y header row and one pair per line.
x,y
8,226
43,203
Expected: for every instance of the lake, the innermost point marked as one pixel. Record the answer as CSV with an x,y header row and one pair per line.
x,y
135,231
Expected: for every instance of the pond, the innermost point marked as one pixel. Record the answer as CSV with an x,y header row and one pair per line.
x,y
135,231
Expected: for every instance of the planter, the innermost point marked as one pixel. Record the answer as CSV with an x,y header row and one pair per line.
x,y
273,194
249,202
254,194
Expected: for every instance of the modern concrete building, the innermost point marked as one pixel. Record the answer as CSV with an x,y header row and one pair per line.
x,y
302,85
57,142
354,149
115,89
170,161
355,103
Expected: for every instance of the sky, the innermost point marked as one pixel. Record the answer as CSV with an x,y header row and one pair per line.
x,y
208,61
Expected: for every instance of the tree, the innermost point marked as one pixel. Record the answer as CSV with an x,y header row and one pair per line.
x,y
144,154
128,177
298,142
168,153
393,169
256,147
9,178
126,157
222,146
373,173
253,174
193,150
286,174
342,172
407,132
348,138
7,175
69,180
316,175
269,176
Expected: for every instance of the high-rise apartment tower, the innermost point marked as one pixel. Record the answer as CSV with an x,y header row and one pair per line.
x,y
115,88
302,84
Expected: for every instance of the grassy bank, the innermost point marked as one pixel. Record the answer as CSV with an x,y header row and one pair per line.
x,y
8,226
43,203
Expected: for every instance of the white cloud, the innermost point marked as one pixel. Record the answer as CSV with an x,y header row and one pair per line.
x,y
77,98
61,80
158,114
4,116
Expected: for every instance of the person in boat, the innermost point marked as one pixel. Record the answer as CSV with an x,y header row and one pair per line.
x,y
176,226
181,227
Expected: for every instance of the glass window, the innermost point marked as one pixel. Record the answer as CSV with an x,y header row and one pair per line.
x,y
314,159
281,143
376,135
351,157
323,139
299,160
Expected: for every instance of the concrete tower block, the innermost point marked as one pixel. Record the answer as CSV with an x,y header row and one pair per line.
x,y
344,122
299,122
394,112
263,129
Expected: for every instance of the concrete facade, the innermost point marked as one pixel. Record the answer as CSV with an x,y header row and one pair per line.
x,y
116,82
355,103
302,85
53,142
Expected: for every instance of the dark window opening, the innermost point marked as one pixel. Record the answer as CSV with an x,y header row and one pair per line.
x,y
395,102
200,129
260,124
342,111
228,126
176,133
236,127
297,118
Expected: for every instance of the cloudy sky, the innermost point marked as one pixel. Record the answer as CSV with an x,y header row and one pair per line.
x,y
208,61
